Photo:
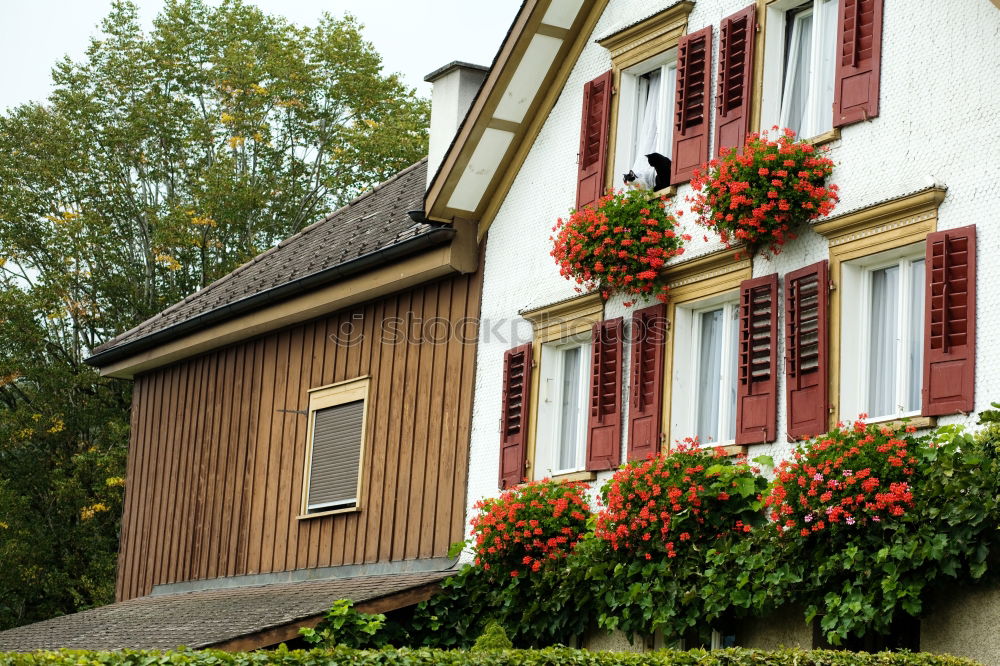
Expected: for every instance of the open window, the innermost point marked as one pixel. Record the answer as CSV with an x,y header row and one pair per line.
x,y
335,448
800,66
646,94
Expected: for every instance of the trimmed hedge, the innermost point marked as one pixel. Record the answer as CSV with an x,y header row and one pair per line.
x,y
429,657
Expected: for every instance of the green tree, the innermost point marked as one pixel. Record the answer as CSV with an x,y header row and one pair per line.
x,y
160,162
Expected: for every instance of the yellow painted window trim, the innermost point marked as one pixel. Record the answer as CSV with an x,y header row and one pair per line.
x,y
575,476
323,397
702,277
877,228
633,45
568,318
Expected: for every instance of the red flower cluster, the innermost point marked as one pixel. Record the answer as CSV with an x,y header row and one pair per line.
x,y
529,525
690,496
621,245
849,477
760,195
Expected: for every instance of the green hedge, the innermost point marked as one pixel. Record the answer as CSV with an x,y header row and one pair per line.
x,y
418,657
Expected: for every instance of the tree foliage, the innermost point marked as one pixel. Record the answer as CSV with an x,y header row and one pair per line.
x,y
160,162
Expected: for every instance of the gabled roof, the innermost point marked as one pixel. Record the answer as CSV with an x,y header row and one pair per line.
x,y
229,618
522,86
373,229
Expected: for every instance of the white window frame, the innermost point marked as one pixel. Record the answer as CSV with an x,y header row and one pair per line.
x,y
549,429
684,392
855,350
816,120
628,110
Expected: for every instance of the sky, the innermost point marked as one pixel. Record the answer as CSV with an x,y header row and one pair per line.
x,y
415,37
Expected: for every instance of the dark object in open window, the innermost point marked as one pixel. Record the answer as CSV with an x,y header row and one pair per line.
x,y
662,166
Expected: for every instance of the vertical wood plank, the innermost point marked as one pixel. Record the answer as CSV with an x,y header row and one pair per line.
x,y
225,478
447,471
435,447
423,404
289,402
417,319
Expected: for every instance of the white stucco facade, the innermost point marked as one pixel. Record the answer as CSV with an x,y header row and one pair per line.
x,y
939,122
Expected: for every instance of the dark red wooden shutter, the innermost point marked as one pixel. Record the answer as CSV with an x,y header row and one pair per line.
x,y
757,392
604,444
593,140
649,334
859,61
806,360
691,104
732,103
514,415
950,322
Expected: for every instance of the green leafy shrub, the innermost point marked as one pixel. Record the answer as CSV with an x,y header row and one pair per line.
x,y
688,497
344,625
872,518
493,638
426,657
661,518
868,522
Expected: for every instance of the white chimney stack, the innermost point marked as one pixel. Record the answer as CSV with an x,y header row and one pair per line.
x,y
454,87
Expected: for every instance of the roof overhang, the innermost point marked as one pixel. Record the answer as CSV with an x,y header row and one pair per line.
x,y
235,619
524,83
455,252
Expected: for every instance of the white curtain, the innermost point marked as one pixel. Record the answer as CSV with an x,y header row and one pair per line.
x,y
882,359
570,409
709,376
915,352
647,133
796,85
734,360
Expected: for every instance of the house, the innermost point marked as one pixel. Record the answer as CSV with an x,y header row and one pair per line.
x,y
747,353
299,428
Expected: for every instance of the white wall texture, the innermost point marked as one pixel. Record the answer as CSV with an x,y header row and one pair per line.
x,y
939,117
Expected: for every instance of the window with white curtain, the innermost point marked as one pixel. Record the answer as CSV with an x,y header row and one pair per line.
x,y
644,116
705,371
799,65
562,415
883,335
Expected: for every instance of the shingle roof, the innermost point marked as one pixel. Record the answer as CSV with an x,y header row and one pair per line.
x,y
204,618
373,222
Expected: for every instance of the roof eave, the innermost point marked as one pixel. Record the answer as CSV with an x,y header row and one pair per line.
x,y
431,239
497,133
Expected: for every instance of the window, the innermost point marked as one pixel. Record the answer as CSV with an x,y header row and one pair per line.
x,y
562,407
335,447
883,359
800,66
647,94
705,371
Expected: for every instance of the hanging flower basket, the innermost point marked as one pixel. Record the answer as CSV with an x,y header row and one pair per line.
x,y
759,196
619,246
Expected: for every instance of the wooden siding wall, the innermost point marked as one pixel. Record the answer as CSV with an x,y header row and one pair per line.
x,y
216,460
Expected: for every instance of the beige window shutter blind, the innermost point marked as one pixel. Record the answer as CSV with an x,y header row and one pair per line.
x,y
336,456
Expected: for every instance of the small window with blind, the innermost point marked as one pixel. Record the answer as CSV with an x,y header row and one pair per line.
x,y
705,381
562,407
800,66
882,344
644,126
334,455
